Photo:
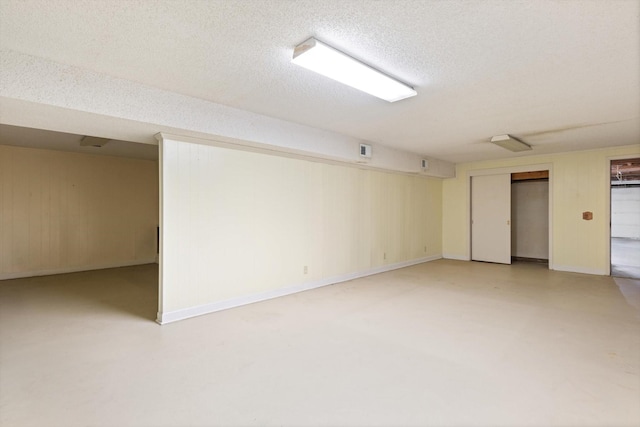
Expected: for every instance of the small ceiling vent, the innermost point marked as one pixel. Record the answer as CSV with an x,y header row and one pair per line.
x,y
365,151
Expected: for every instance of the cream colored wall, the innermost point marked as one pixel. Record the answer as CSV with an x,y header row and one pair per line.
x,y
62,211
238,223
579,182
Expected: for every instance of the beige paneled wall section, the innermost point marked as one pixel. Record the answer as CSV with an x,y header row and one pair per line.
x,y
579,183
238,223
62,211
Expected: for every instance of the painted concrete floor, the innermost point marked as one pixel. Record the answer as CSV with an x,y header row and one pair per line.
x,y
446,343
625,257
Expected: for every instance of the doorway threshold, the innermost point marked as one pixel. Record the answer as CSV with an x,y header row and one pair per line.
x,y
530,260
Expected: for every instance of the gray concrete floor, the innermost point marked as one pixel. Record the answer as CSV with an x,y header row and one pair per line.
x,y
444,343
625,257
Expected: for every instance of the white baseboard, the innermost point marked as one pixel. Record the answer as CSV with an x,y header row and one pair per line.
x,y
457,257
174,316
583,270
64,270
567,268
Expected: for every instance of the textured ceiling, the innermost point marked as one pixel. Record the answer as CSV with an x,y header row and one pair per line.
x,y
559,75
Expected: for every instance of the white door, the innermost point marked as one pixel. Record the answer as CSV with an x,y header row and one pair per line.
x,y
491,218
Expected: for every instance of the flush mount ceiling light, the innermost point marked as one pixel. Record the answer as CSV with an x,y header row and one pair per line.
x,y
510,143
93,141
323,59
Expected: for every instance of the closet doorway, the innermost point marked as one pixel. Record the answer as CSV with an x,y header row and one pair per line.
x,y
530,216
510,216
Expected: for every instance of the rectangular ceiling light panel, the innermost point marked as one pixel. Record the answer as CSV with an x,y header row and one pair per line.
x,y
323,59
510,143
93,141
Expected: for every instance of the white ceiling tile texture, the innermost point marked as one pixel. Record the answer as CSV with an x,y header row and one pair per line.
x,y
562,75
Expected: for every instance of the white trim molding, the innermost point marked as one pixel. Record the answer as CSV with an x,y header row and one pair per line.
x,y
185,313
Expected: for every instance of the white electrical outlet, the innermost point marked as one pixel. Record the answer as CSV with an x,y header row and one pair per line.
x,y
306,269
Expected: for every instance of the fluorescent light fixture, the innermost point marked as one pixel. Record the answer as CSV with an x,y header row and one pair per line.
x,y
510,143
323,59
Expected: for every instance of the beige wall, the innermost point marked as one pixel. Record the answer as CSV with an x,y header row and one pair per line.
x,y
240,224
579,182
62,211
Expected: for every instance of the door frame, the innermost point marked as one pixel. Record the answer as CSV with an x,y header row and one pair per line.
x,y
510,170
608,202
